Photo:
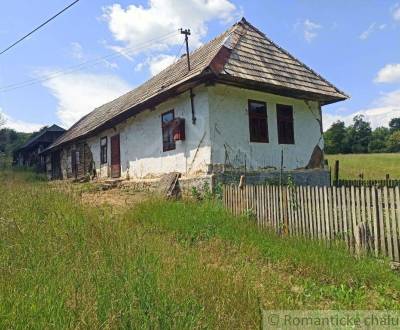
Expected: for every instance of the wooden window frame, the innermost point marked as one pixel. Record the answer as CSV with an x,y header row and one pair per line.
x,y
103,151
166,128
258,137
285,126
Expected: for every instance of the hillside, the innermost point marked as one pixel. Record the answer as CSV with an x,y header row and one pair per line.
x,y
160,264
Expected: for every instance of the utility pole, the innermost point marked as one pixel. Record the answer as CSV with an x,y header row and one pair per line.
x,y
186,32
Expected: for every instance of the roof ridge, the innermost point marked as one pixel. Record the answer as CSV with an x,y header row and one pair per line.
x,y
244,21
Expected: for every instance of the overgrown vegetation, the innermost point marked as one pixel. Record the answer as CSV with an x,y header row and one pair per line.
x,y
162,265
360,138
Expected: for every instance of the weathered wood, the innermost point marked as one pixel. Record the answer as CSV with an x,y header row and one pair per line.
x,y
387,223
375,224
397,194
367,219
381,223
393,227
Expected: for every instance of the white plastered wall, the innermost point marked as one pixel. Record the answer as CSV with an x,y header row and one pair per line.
x,y
230,138
141,141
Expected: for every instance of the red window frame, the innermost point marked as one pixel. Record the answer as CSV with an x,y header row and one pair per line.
x,y
167,130
285,123
103,150
258,121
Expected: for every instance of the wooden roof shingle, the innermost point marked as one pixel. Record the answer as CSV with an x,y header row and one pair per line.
x,y
241,54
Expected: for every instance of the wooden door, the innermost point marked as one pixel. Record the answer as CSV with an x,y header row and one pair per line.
x,y
115,157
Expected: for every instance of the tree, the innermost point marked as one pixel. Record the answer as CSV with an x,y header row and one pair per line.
x,y
394,124
335,137
359,135
379,139
393,142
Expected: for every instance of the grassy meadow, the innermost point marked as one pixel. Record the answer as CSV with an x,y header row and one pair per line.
x,y
162,264
373,166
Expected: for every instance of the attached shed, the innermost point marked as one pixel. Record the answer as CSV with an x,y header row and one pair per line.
x,y
29,154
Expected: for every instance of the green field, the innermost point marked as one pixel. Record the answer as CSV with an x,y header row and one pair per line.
x,y
162,265
373,166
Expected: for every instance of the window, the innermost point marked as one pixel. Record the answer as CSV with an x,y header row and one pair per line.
x,y
285,124
167,130
103,150
258,123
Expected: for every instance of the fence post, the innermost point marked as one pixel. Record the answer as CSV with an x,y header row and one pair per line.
x,y
336,174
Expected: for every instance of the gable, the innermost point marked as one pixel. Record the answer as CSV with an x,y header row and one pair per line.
x,y
242,55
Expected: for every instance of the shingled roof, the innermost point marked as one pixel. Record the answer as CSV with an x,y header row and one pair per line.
x,y
242,55
39,138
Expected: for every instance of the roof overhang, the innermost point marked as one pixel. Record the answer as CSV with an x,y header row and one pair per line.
x,y
324,99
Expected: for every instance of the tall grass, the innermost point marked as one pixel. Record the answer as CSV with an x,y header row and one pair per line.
x,y
162,265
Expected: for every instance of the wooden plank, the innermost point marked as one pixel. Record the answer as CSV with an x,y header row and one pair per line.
x,y
328,218
362,212
344,193
267,199
397,194
387,223
381,223
369,219
321,221
375,224
308,213
273,207
301,207
335,226
262,204
313,211
353,215
393,228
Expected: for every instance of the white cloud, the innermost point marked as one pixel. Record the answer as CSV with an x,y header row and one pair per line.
x,y
396,12
79,93
379,114
159,63
20,125
136,25
371,29
77,51
388,74
156,63
310,30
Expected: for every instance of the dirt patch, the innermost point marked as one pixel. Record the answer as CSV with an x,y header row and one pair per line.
x,y
115,197
94,193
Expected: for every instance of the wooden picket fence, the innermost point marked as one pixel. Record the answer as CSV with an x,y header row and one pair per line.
x,y
391,183
366,218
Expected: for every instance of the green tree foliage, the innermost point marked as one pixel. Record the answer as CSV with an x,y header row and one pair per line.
x,y
11,140
379,140
335,138
360,138
359,135
393,142
394,124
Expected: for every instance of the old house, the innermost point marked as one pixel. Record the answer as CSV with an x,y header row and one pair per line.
x,y
29,153
244,105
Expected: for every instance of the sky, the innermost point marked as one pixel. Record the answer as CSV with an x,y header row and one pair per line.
x,y
100,49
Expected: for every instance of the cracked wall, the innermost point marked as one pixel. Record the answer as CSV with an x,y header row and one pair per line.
x,y
230,137
141,141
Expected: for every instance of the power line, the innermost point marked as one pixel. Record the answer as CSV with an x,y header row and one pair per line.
x,y
85,65
39,27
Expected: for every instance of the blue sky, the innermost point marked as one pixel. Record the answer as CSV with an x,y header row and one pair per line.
x,y
354,44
